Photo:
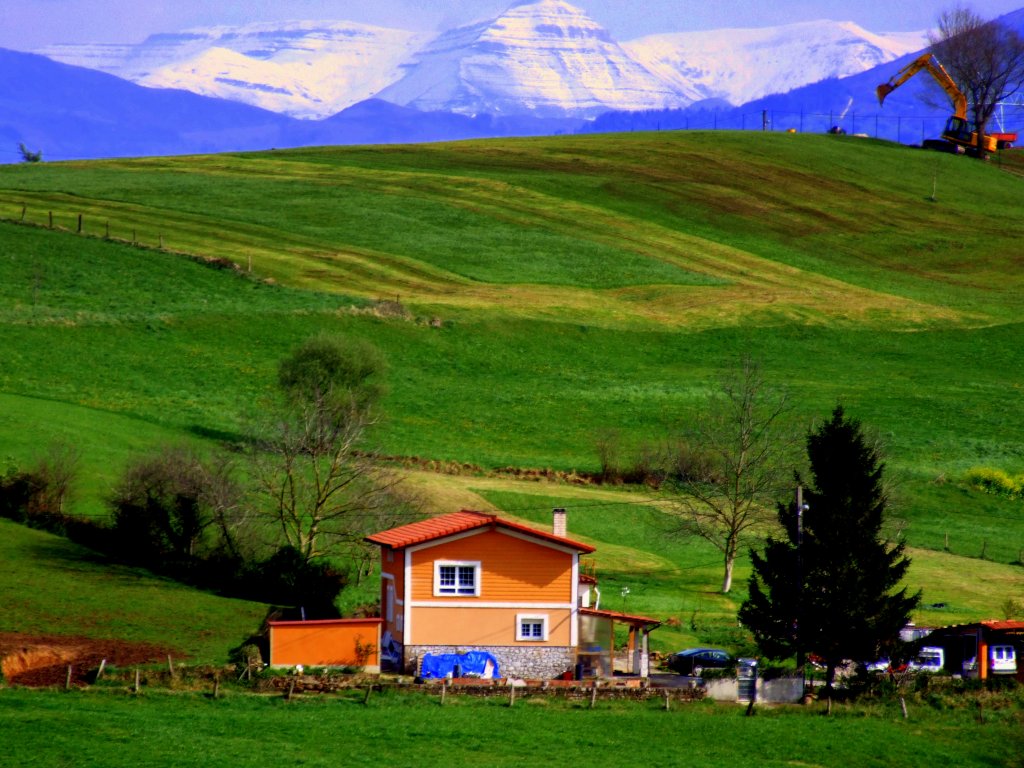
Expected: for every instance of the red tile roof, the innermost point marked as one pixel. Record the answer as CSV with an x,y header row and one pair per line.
x,y
1003,625
459,522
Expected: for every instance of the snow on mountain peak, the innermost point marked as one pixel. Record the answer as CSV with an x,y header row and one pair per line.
x,y
545,58
309,69
740,65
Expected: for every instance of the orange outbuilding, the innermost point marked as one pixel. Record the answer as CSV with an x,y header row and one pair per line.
x,y
327,643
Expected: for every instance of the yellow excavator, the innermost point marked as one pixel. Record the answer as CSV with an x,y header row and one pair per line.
x,y
959,136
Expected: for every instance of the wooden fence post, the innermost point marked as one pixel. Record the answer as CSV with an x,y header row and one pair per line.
x,y
103,663
444,688
512,694
216,684
366,698
291,690
667,700
67,680
593,695
136,689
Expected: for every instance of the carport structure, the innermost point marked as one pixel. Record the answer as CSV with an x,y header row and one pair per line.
x,y
969,647
597,642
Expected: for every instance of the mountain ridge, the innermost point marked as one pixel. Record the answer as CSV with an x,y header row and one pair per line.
x,y
539,57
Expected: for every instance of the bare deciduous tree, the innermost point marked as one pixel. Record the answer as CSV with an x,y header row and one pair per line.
x,y
985,58
322,485
749,456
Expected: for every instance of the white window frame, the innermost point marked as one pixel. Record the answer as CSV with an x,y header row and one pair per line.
x,y
533,618
456,590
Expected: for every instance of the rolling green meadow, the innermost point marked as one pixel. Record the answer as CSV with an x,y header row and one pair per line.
x,y
530,295
113,729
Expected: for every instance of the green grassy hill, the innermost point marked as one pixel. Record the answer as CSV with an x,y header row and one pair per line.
x,y
51,587
531,294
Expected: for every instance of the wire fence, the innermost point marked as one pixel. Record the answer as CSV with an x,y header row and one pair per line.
x,y
903,129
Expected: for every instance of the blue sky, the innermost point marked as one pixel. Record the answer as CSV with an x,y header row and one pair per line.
x,y
29,24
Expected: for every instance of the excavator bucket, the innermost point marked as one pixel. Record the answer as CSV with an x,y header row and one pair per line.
x,y
882,91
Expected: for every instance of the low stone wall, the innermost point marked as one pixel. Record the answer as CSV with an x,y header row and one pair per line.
x,y
529,663
783,690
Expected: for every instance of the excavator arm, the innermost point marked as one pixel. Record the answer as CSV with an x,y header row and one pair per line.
x,y
929,63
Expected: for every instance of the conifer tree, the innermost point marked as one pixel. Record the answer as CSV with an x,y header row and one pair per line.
x,y
831,586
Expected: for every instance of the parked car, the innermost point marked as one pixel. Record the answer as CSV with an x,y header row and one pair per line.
x,y
1003,660
929,659
880,666
693,661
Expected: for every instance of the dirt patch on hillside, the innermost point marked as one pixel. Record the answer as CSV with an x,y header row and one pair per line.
x,y
43,660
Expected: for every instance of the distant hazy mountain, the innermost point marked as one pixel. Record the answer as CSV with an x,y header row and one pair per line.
x,y
740,65
72,112
308,69
541,58
77,113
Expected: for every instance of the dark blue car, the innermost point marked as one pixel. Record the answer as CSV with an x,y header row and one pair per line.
x,y
693,661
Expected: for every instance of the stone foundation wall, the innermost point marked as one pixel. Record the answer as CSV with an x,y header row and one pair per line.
x,y
532,663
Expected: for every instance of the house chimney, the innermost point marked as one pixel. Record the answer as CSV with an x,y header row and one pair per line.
x,y
558,522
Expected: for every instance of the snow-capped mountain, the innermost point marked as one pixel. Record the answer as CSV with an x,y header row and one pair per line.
x,y
541,58
545,58
304,69
740,65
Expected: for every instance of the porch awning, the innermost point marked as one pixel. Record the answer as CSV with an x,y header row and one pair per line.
x,y
637,622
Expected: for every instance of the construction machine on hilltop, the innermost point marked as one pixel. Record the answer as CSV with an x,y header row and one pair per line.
x,y
959,135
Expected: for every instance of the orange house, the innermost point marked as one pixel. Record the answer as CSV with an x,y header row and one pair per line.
x,y
470,581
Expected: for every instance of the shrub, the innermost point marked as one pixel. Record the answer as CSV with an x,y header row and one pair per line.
x,y
996,481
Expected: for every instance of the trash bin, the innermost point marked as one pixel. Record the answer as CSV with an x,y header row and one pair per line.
x,y
746,679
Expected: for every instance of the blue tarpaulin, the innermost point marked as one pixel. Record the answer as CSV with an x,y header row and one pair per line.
x,y
470,664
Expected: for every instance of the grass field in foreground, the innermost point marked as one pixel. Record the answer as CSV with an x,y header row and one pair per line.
x,y
405,730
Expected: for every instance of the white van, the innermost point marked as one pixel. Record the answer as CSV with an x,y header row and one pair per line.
x,y
929,659
1003,660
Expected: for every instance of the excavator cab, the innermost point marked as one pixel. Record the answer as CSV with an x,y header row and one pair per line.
x,y
959,130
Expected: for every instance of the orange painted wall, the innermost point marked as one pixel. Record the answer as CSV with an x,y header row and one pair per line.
x,y
485,626
513,570
324,643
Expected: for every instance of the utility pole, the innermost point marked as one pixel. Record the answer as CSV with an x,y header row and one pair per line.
x,y
800,508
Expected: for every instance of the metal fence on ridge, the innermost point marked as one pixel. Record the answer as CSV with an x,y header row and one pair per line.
x,y
904,129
